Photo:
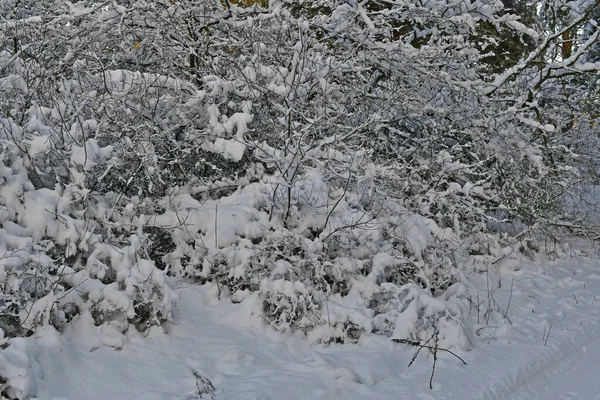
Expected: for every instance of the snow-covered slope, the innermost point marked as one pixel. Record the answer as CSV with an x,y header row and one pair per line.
x,y
540,341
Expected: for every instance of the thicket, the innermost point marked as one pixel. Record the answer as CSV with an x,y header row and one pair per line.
x,y
348,162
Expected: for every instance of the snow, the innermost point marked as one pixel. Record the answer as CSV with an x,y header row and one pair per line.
x,y
230,149
13,23
518,356
313,177
90,155
577,380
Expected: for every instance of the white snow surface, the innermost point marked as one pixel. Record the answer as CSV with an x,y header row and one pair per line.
x,y
541,342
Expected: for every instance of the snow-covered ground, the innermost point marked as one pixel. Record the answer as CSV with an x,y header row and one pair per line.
x,y
542,340
578,379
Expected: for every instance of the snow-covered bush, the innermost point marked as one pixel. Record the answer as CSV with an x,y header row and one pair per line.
x,y
329,282
60,258
67,245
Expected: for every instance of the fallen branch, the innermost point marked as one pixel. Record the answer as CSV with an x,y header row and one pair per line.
x,y
433,349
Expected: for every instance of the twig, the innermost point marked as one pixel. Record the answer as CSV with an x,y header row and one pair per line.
x,y
418,344
478,305
203,384
434,360
433,349
342,196
216,223
547,337
512,281
487,284
328,319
